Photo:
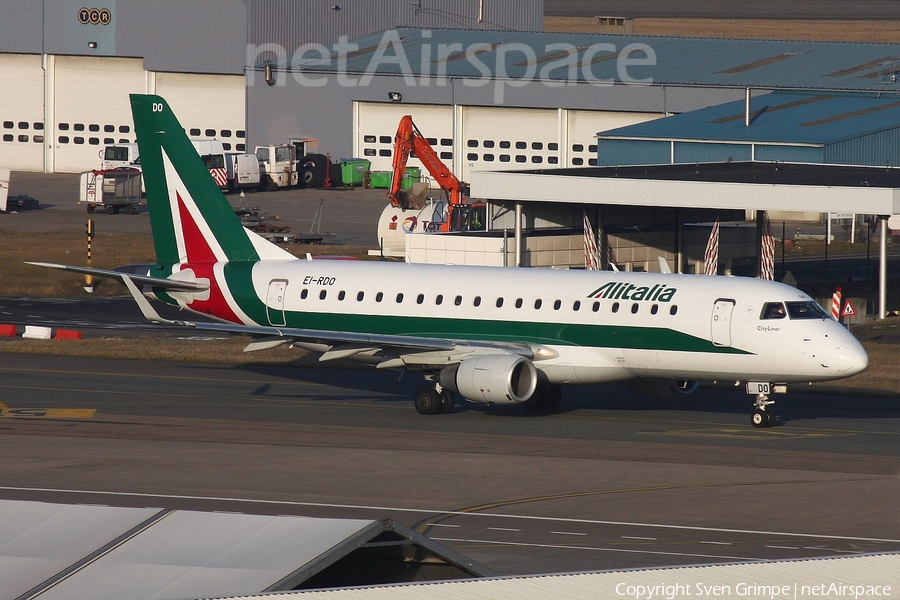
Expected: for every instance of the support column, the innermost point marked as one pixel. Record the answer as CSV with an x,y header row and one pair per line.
x,y
48,63
518,236
882,267
679,242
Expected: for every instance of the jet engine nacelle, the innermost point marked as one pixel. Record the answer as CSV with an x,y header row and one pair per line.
x,y
492,378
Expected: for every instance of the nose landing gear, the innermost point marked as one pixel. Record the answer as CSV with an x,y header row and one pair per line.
x,y
762,415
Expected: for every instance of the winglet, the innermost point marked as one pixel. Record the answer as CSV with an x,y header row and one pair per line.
x,y
664,266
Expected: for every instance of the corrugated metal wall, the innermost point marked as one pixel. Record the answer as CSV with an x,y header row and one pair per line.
x,y
290,23
802,154
633,152
694,152
881,148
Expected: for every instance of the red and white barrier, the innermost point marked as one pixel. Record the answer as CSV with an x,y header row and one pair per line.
x,y
836,304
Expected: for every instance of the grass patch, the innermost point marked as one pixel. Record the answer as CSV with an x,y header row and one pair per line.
x,y
109,251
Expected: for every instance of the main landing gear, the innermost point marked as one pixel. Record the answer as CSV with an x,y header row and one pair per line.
x,y
763,416
434,399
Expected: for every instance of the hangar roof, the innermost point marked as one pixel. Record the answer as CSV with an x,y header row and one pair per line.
x,y
769,64
737,186
819,577
781,117
56,551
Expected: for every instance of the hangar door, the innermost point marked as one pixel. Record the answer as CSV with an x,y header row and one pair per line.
x,y
208,106
376,124
509,138
21,112
92,107
583,126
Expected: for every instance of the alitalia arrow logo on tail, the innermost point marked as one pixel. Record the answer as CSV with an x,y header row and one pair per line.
x,y
629,291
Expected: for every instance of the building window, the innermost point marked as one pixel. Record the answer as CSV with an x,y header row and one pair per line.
x,y
23,138
38,126
384,152
552,146
108,141
369,139
578,161
225,133
124,129
210,133
241,133
447,155
63,139
472,143
7,137
432,141
369,152
226,146
537,146
488,143
8,124
504,158
505,144
195,131
78,140
78,127
577,147
93,127
487,157
109,128
240,148
521,145
23,125
94,141
37,139
520,158
62,126
446,142
553,160
471,156
537,159
592,148
592,162
385,139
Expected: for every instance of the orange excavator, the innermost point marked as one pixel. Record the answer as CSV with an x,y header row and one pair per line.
x,y
461,216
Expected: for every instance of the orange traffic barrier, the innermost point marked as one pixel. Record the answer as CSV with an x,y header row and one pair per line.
x,y
7,331
67,334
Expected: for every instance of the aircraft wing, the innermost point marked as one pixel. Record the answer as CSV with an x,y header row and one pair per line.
x,y
345,343
157,282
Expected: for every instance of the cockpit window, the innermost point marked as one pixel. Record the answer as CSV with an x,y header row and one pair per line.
x,y
806,310
773,310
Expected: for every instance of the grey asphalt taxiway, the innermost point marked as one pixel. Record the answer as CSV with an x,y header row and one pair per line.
x,y
612,480
615,479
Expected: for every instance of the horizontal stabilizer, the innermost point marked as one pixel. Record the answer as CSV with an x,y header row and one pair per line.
x,y
157,282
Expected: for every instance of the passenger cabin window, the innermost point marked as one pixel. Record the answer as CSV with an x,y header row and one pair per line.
x,y
458,300
806,310
420,298
439,299
518,303
537,304
557,305
399,297
673,310
379,297
615,307
499,302
322,294
595,307
360,296
654,309
634,308
576,306
477,301
342,294
773,310
304,294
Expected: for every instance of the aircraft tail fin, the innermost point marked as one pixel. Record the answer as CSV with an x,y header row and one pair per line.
x,y
191,219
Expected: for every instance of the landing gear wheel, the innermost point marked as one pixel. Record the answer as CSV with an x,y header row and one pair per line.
x,y
763,415
428,401
447,402
111,210
760,418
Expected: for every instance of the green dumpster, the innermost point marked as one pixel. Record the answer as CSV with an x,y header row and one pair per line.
x,y
352,170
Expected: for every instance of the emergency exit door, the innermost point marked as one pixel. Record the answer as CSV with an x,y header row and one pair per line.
x,y
721,322
275,302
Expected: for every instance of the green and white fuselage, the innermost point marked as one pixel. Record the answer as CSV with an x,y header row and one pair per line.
x,y
491,334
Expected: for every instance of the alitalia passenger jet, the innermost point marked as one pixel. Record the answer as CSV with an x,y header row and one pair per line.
x,y
489,334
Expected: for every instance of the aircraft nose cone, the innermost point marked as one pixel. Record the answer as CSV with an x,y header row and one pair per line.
x,y
851,358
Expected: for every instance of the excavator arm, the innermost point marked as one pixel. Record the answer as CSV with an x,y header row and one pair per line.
x,y
410,139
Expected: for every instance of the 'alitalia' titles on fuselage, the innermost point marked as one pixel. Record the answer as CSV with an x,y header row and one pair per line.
x,y
622,290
